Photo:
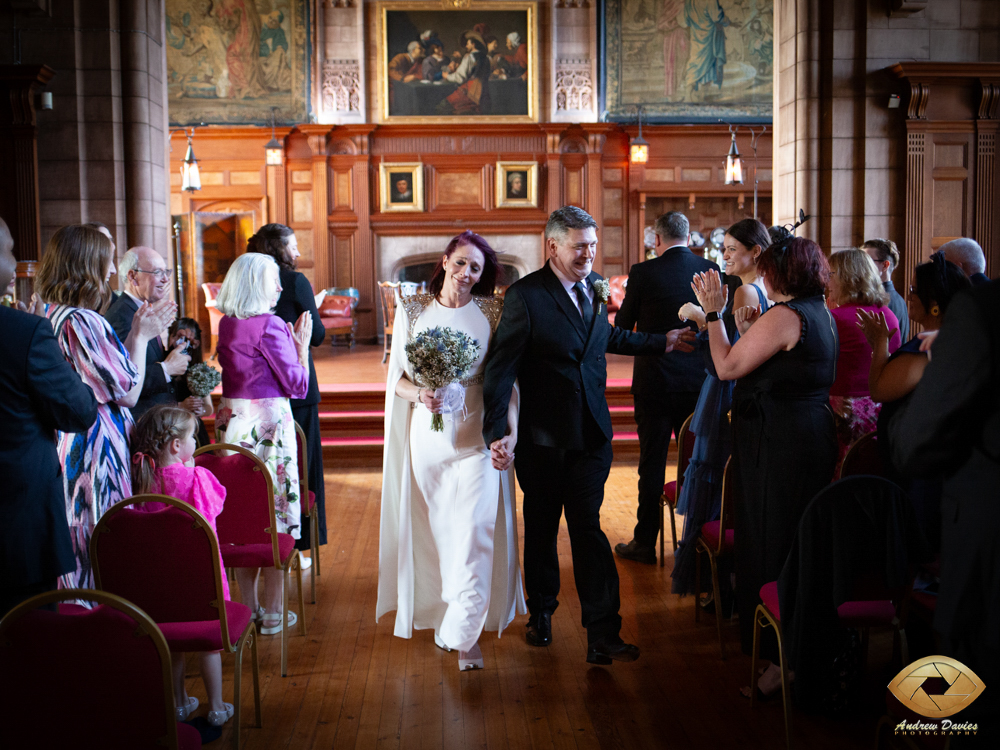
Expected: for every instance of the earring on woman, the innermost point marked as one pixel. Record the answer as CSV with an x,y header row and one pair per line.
x,y
935,311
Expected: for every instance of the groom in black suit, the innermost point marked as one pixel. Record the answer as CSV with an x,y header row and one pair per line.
x,y
552,338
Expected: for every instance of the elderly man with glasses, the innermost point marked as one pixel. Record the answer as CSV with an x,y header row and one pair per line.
x,y
145,279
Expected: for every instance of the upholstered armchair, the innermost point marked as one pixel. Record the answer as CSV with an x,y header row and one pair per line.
x,y
337,313
616,295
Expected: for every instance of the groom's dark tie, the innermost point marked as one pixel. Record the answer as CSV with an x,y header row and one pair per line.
x,y
586,307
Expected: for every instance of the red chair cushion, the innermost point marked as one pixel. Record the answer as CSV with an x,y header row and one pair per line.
x,y
256,555
312,499
769,595
68,608
670,493
188,738
337,322
866,614
335,306
246,513
206,635
710,533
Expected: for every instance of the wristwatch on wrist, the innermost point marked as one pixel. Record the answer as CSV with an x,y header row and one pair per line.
x,y
711,317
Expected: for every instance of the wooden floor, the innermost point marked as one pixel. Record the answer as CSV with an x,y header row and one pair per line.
x,y
363,364
351,684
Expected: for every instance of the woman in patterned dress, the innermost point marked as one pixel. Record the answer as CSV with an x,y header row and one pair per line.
x,y
73,282
265,362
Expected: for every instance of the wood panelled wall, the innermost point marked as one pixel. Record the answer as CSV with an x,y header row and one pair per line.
x,y
327,189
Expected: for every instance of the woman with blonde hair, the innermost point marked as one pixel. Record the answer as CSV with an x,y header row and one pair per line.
x,y
265,362
855,285
73,282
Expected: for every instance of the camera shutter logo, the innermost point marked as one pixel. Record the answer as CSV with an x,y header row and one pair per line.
x,y
936,686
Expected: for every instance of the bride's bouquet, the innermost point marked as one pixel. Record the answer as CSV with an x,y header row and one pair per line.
x,y
441,356
202,379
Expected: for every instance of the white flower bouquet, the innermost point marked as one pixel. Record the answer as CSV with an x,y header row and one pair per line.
x,y
441,356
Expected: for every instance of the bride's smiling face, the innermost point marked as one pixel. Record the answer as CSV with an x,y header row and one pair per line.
x,y
464,268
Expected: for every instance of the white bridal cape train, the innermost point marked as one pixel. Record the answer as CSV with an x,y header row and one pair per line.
x,y
448,557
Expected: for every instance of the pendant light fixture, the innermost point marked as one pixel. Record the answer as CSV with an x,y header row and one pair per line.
x,y
274,151
734,165
190,175
639,147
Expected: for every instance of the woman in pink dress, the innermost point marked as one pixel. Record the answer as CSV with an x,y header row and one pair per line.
x,y
73,281
855,285
265,362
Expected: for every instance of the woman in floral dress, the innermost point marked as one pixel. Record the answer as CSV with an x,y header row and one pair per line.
x,y
73,282
264,364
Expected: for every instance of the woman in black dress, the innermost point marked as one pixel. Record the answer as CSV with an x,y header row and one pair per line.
x,y
297,298
784,440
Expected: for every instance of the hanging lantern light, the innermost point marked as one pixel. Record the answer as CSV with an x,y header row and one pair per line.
x,y
190,176
274,151
734,165
639,147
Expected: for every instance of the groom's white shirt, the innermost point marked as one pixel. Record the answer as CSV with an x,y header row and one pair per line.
x,y
568,285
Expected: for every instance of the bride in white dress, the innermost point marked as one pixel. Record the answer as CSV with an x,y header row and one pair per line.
x,y
448,558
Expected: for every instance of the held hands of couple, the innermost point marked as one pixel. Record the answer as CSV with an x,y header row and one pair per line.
x,y
502,452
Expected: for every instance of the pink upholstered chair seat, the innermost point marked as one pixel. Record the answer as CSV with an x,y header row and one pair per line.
x,y
256,555
337,322
859,614
769,595
710,533
205,635
670,493
188,737
312,499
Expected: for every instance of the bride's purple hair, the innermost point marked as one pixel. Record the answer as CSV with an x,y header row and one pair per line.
x,y
492,271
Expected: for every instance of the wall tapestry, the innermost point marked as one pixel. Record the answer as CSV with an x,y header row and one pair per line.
x,y
477,65
232,61
688,60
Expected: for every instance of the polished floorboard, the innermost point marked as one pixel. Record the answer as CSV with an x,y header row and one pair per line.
x,y
352,684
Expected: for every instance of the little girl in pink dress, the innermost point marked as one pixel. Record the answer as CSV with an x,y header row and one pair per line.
x,y
163,447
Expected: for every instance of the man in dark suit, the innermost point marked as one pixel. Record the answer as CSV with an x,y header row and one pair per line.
x,y
969,256
552,337
39,393
885,254
664,386
145,279
951,426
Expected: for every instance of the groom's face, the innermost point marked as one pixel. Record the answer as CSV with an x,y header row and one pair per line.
x,y
574,253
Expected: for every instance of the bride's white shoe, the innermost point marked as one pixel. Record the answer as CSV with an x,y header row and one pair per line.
x,y
468,660
441,644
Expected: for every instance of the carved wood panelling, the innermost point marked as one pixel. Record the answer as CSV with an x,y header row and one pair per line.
x,y
986,197
915,210
459,144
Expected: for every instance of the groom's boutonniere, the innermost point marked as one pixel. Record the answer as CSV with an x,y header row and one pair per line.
x,y
602,288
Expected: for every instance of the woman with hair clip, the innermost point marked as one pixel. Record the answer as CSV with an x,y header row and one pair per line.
x,y
73,281
701,492
448,538
893,378
296,300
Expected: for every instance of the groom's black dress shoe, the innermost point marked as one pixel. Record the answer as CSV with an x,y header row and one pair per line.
x,y
604,650
539,630
638,552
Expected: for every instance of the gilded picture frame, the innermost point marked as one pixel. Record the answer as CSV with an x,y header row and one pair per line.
x,y
401,187
517,184
466,81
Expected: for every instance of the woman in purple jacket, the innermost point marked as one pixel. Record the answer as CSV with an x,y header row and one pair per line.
x,y
264,364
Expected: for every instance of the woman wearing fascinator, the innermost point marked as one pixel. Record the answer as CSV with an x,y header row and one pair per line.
x,y
448,559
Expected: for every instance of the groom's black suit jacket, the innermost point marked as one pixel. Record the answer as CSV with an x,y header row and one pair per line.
x,y
560,366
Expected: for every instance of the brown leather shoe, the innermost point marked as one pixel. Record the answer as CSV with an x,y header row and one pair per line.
x,y
637,552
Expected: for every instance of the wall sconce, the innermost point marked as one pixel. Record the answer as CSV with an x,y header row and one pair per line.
x,y
190,176
274,151
734,165
639,147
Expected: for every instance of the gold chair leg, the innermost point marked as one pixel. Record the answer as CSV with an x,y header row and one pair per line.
x,y
697,582
718,603
314,547
256,676
786,694
661,531
302,599
755,656
673,528
284,623
238,690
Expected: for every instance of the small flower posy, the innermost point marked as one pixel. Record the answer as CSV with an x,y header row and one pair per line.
x,y
441,356
202,379
602,289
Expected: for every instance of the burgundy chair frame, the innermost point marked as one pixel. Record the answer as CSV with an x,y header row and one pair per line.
x,y
231,535
145,628
103,534
302,446
726,523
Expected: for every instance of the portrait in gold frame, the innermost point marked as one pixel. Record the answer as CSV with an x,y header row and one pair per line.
x,y
401,187
517,184
411,92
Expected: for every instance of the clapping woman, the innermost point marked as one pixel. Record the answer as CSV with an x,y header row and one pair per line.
x,y
264,364
784,442
448,539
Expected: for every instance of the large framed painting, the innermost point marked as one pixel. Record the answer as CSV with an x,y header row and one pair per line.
x,y
237,61
688,60
475,65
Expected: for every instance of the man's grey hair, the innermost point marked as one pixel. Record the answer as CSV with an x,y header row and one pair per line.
x,y
568,217
673,225
129,262
966,254
413,46
248,287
